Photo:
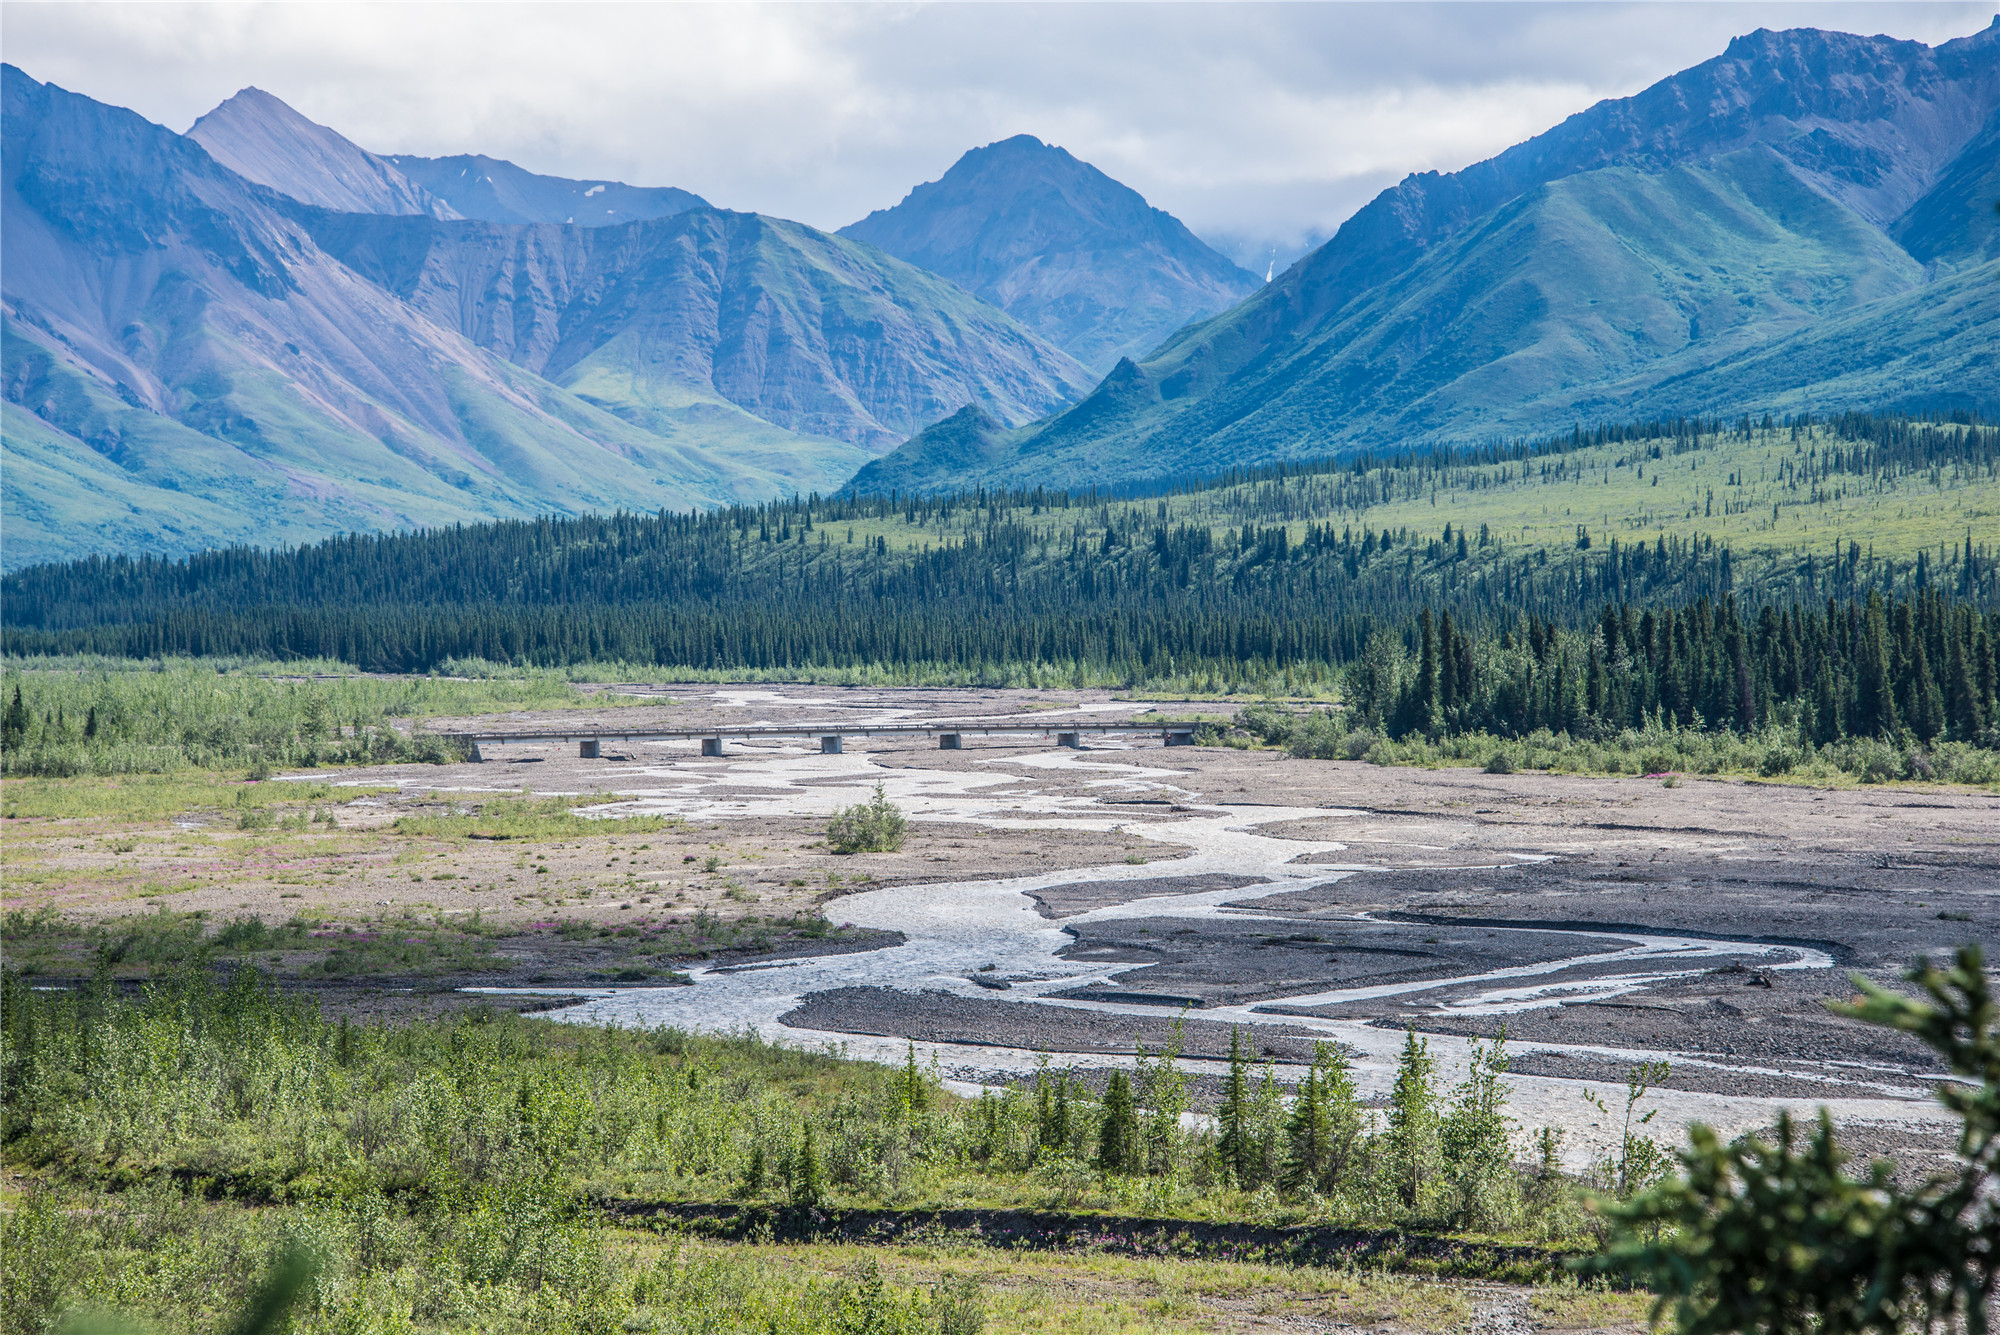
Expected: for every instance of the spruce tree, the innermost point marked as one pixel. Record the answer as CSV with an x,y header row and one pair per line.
x,y
1343,1110
14,722
1308,1133
1233,1118
1118,1133
1413,1120
808,1175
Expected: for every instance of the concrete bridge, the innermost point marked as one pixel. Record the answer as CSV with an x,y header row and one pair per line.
x,y
950,736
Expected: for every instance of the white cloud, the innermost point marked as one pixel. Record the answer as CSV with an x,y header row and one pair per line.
x,y
1266,123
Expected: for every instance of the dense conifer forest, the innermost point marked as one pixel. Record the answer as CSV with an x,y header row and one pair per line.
x,y
1872,668
1547,621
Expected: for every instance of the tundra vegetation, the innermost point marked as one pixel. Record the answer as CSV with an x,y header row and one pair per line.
x,y
174,1147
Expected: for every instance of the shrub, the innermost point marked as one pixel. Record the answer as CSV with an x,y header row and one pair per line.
x,y
1778,760
1359,743
874,826
1499,763
1780,1237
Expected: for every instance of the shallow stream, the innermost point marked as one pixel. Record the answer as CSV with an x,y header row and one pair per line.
x,y
955,929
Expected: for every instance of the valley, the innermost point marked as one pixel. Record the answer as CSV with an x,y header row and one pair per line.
x,y
580,756
1197,890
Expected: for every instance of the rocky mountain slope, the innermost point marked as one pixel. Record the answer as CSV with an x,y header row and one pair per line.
x,y
1804,222
495,190
1077,257
262,139
818,334
187,364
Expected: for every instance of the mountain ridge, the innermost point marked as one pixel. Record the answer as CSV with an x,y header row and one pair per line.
x,y
813,332
186,364
495,190
1784,144
1078,257
262,139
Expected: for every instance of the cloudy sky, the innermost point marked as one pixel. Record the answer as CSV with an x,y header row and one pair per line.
x,y
1261,126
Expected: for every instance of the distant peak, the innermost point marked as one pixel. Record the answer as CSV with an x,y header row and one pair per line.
x,y
1018,149
253,98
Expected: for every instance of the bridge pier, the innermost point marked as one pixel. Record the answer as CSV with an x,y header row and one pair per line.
x,y
829,745
711,746
950,741
588,749
472,753
1180,739
1072,740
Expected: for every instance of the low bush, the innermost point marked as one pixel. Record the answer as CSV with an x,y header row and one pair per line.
x,y
874,826
107,717
527,819
1774,752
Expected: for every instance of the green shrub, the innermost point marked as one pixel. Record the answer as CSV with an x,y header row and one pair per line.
x,y
1780,1237
1777,761
874,826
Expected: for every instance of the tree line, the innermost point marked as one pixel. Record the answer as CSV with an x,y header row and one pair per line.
x,y
1923,667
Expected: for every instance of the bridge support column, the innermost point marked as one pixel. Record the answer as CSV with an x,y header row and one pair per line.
x,y
587,749
472,753
1072,740
829,745
1180,739
950,741
711,746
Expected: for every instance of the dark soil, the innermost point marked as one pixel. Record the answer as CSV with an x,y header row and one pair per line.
x,y
1063,901
942,1017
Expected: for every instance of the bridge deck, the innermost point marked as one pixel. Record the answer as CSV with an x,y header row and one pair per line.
x,y
950,736
1024,727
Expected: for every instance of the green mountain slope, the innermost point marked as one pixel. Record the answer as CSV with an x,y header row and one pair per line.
x,y
1659,253
1958,219
1079,258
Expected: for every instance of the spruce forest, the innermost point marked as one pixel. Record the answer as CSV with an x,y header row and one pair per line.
x,y
1508,613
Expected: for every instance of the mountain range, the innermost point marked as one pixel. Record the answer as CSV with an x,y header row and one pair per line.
x,y
259,332
1805,222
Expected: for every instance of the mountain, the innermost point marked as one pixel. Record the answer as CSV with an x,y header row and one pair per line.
x,y
495,190
1080,259
186,365
1805,220
819,334
262,139
1956,222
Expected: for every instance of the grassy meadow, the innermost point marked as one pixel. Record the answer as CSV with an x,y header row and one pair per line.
x,y
111,716
1747,490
